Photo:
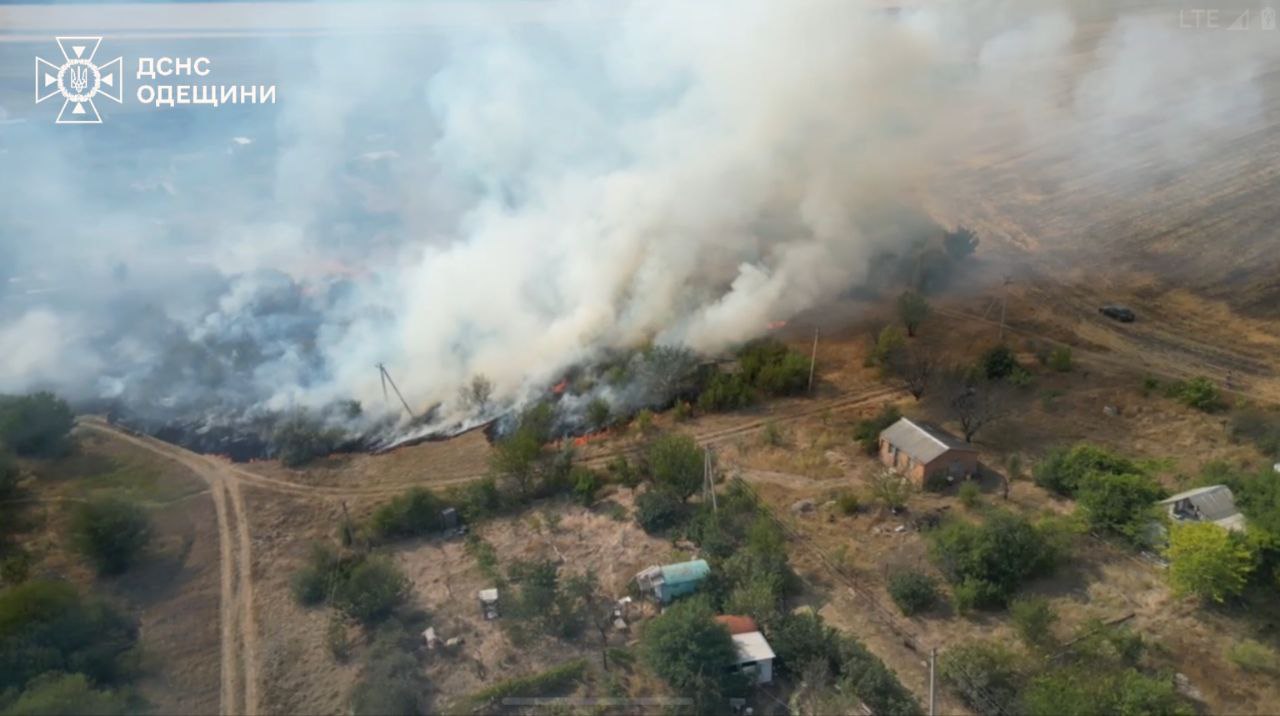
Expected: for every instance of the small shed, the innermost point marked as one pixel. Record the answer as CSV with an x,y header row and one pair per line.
x,y
1214,503
755,656
488,602
926,453
674,580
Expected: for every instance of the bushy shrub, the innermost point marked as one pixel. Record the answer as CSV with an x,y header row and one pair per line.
x,y
414,513
772,368
725,391
999,362
1086,690
848,503
1259,426
1063,470
390,682
985,675
659,509
9,475
913,591
110,532
301,437
1208,561
988,562
676,464
373,588
318,579
867,432
1033,618
1060,359
1254,656
1122,504
585,484
969,494
960,243
689,650
55,694
48,626
598,414
644,421
35,425
1199,393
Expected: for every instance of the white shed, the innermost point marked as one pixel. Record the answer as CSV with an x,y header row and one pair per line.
x,y
755,656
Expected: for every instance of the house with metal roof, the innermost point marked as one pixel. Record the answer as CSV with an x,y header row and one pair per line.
x,y
1214,503
926,453
674,580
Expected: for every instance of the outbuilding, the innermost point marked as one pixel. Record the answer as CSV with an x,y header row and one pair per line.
x,y
674,580
755,656
1214,503
926,453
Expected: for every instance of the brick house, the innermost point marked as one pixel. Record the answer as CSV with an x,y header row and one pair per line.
x,y
925,453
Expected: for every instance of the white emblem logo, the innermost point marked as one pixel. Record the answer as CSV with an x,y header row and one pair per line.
x,y
79,80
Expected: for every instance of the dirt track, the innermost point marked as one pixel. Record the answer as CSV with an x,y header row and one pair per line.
x,y
239,692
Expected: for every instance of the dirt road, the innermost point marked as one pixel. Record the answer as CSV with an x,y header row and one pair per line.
x,y
240,664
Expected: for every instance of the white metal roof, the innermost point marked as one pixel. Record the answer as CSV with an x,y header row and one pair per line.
x,y
752,647
922,442
1215,501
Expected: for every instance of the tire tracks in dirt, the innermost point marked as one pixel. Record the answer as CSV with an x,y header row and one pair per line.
x,y
239,636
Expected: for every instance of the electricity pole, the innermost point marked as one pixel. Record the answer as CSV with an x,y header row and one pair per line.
x,y
386,378
813,359
1004,305
709,477
933,703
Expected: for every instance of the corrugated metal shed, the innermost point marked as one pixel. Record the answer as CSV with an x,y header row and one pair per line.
x,y
752,647
921,441
1214,503
693,571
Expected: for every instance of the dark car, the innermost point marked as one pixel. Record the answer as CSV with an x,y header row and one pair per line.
x,y
1119,313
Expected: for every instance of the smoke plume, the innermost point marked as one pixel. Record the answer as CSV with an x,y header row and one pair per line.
x,y
510,199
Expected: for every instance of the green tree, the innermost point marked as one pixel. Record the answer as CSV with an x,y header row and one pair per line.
x,y
110,532
890,488
960,243
985,675
1063,470
1122,504
890,342
1208,561
35,425
372,590
520,455
476,394
49,626
302,437
598,414
913,310
676,463
9,475
658,509
411,514
693,654
913,591
990,561
1199,393
999,362
867,432
55,694
1033,618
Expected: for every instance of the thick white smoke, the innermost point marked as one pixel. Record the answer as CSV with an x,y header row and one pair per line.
x,y
512,199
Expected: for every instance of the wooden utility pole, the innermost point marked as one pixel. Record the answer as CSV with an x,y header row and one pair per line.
x,y
933,694
709,477
386,378
1004,305
813,359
